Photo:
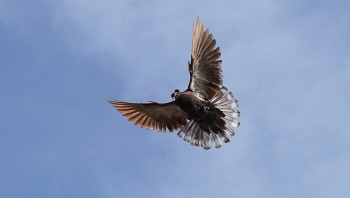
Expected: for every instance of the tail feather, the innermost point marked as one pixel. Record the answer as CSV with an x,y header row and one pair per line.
x,y
231,112
185,129
216,140
228,104
195,135
206,142
219,131
231,121
229,130
224,138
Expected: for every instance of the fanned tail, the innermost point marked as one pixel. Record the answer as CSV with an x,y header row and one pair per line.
x,y
224,101
219,130
193,134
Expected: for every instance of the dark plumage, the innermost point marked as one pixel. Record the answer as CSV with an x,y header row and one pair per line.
x,y
204,112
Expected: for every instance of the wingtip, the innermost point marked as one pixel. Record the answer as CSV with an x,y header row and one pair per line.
x,y
112,100
198,19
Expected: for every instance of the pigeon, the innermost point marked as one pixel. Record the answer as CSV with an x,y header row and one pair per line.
x,y
205,112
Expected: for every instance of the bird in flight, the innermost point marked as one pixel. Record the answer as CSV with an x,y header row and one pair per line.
x,y
204,112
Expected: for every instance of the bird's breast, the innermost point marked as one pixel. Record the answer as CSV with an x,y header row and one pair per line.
x,y
192,106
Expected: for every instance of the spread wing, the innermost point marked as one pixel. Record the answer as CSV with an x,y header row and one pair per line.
x,y
157,116
205,68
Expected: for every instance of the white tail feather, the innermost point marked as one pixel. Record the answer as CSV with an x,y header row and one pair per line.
x,y
229,130
231,121
231,112
215,139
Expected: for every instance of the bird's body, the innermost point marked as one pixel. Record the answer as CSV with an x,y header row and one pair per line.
x,y
204,112
190,104
201,111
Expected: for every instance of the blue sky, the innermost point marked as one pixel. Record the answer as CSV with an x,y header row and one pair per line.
x,y
287,62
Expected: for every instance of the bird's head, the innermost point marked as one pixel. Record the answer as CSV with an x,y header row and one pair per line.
x,y
173,95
